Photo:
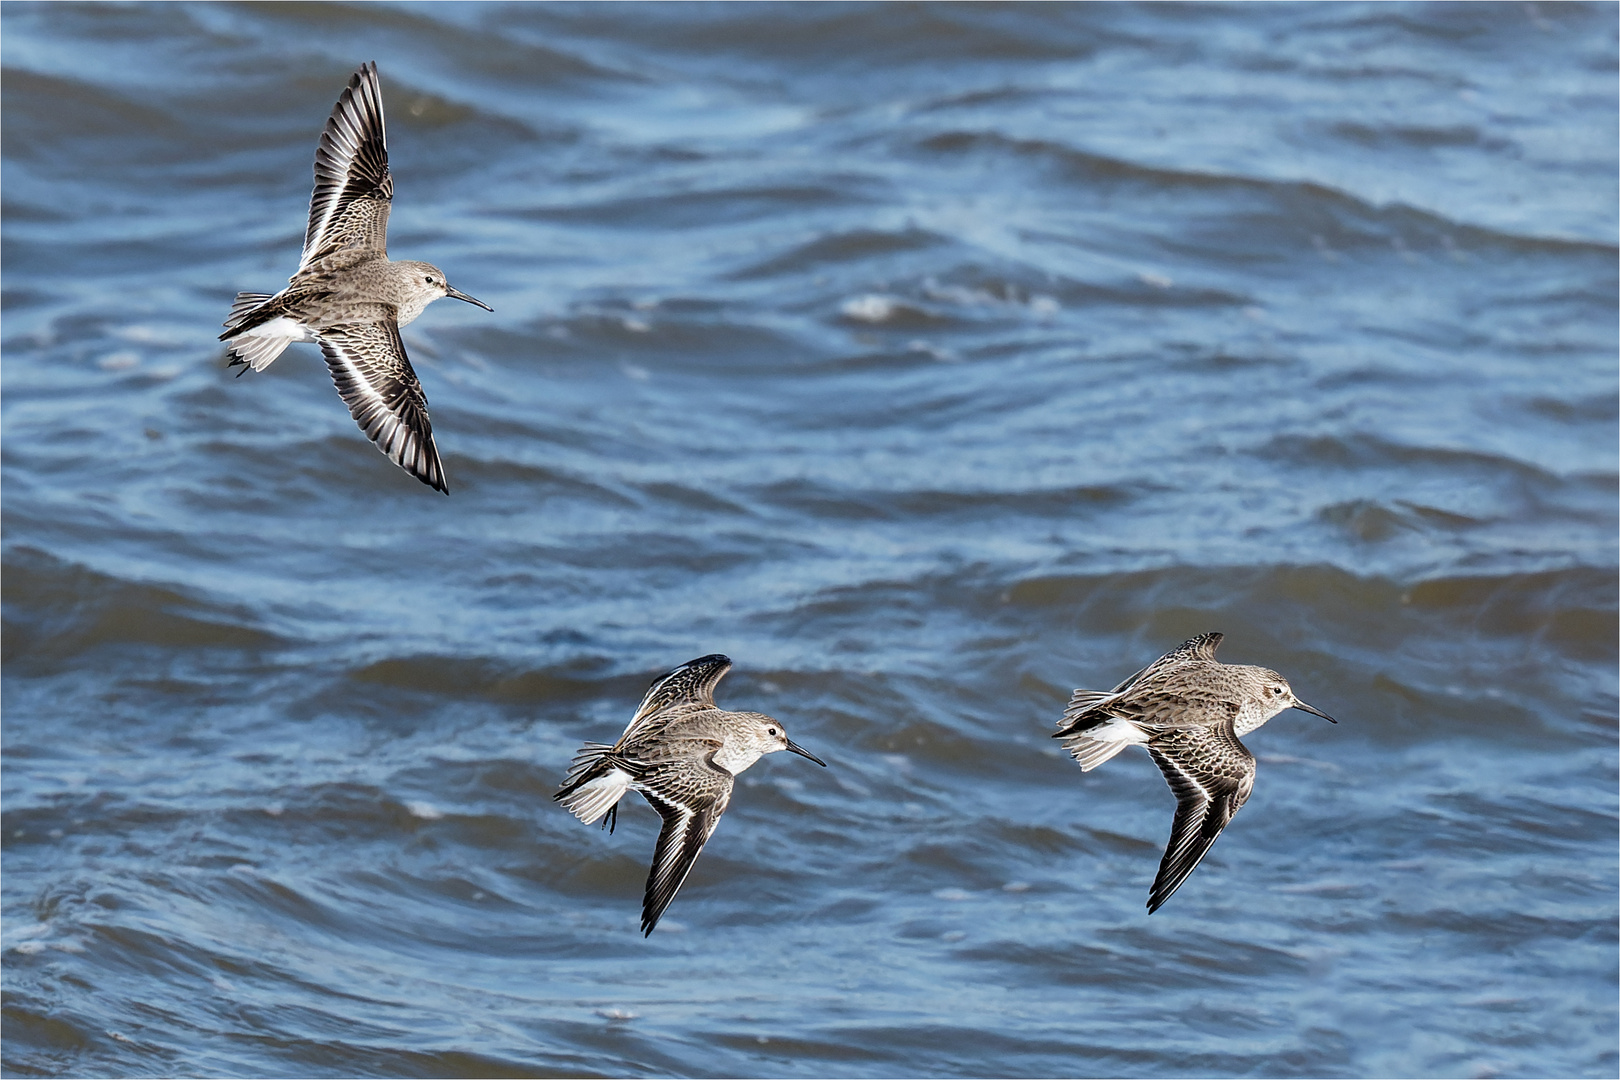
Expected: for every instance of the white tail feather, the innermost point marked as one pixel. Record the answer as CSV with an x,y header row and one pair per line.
x,y
259,347
1096,745
590,801
259,352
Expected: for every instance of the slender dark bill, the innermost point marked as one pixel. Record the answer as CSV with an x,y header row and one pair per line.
x,y
459,295
802,752
1317,712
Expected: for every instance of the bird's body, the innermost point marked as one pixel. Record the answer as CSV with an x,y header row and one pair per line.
x,y
1188,710
682,753
348,295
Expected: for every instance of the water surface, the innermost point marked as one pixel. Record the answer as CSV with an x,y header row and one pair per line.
x,y
928,361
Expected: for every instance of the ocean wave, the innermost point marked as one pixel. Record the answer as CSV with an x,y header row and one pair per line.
x,y
1304,209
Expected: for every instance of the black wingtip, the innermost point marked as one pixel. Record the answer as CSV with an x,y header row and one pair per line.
x,y
435,481
427,467
1158,896
654,905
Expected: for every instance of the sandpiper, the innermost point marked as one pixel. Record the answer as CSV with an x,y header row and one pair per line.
x,y
347,295
682,753
1188,709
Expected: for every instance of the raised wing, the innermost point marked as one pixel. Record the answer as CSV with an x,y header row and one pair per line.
x,y
1201,647
376,382
1098,703
353,189
690,794
1211,774
690,685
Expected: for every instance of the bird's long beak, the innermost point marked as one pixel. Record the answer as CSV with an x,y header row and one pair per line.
x,y
459,295
802,752
1298,704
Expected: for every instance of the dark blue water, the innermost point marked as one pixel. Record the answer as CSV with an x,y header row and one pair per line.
x,y
930,362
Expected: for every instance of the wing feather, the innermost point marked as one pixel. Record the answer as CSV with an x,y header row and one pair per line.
x,y
1201,647
375,379
690,686
690,795
353,188
1088,708
1211,774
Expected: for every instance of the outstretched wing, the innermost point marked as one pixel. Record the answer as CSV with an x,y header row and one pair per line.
x,y
689,686
353,189
376,382
690,794
1211,774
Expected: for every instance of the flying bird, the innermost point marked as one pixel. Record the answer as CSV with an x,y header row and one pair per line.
x,y
682,753
348,295
1187,709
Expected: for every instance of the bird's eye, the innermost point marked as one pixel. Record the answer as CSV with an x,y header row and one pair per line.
x,y
773,731
1277,690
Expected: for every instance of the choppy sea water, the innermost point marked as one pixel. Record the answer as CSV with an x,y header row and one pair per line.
x,y
930,361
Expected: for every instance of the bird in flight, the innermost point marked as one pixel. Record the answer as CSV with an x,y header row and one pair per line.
x,y
348,295
682,753
1187,709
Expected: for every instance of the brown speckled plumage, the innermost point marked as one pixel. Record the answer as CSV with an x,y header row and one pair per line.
x,y
347,295
682,753
1187,709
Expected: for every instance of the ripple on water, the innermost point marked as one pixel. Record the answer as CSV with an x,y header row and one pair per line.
x,y
918,361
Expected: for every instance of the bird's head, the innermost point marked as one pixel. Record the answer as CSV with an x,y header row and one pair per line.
x,y
425,283
1276,695
767,735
